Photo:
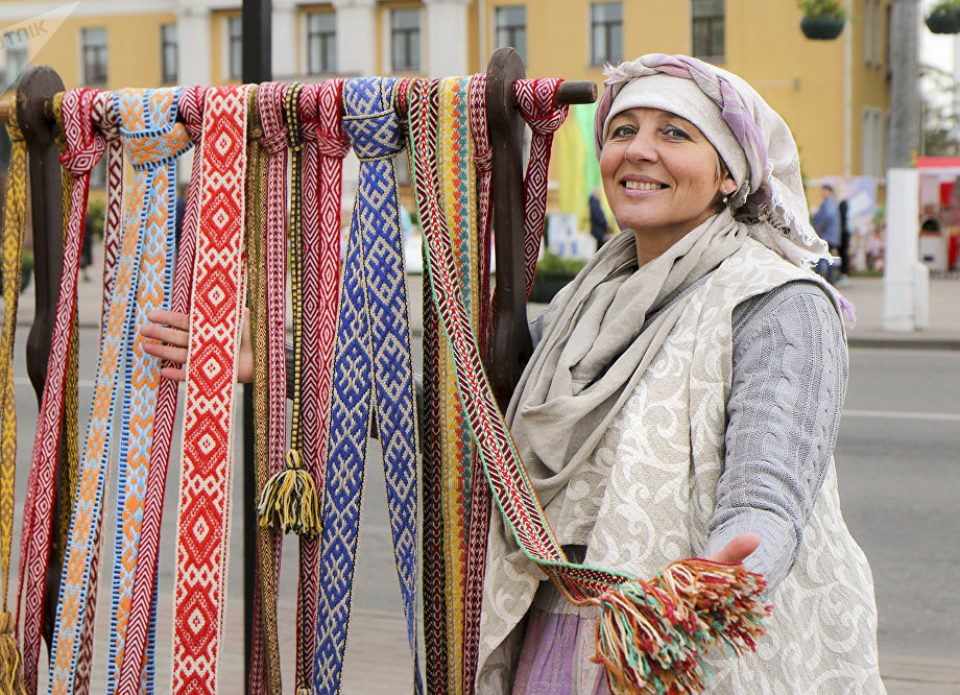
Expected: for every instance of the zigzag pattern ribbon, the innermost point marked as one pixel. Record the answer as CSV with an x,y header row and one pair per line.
x,y
459,186
14,220
104,116
84,151
203,524
141,620
479,493
537,102
437,627
322,159
154,141
372,358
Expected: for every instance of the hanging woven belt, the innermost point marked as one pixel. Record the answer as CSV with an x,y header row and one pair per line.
x,y
537,103
448,447
14,218
479,492
372,359
203,523
141,628
648,632
84,150
267,196
322,164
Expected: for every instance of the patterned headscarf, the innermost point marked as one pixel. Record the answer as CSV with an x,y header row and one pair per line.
x,y
770,197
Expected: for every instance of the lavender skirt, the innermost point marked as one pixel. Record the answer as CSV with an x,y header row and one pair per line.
x,y
558,646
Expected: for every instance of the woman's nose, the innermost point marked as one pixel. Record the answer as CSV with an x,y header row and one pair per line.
x,y
642,147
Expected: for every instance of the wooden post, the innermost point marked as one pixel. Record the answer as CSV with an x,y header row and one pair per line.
x,y
34,97
511,346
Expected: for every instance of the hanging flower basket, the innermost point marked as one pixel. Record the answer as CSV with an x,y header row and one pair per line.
x,y
822,19
944,18
821,28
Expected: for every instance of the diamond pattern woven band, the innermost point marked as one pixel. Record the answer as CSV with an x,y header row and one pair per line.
x,y
372,360
537,103
141,624
202,529
322,163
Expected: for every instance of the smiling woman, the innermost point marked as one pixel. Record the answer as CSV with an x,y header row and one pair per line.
x,y
661,175
683,400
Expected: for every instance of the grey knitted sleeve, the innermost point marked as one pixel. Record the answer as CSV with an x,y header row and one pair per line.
x,y
789,380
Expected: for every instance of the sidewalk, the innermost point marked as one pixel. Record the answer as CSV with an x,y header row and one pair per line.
x,y
866,293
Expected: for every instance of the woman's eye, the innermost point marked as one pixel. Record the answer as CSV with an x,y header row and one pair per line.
x,y
623,131
674,132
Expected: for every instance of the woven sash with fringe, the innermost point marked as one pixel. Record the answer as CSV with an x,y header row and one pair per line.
x,y
204,506
83,151
141,623
14,219
372,359
322,165
448,446
649,632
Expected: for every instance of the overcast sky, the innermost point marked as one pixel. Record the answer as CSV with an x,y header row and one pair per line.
x,y
935,49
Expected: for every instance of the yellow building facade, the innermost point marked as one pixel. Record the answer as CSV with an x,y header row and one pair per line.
x,y
834,94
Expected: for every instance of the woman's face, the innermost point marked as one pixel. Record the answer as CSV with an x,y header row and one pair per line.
x,y
659,175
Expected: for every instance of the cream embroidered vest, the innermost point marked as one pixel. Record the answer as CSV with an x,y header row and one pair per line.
x,y
645,498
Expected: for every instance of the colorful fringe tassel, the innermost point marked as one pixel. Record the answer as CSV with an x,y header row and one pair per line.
x,y
651,636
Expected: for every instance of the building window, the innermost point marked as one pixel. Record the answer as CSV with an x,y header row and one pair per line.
x,y
872,137
878,33
168,53
94,49
321,42
405,39
708,30
606,32
868,32
866,142
15,59
512,29
234,48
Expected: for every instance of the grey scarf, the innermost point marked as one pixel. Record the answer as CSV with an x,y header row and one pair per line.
x,y
593,351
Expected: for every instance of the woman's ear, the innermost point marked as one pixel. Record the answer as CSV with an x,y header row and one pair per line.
x,y
728,186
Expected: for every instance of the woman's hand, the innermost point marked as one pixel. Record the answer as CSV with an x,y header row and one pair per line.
x,y
168,335
738,549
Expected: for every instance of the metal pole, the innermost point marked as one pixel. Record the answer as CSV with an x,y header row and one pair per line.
x,y
257,67
903,136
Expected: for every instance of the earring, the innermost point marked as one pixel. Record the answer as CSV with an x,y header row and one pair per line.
x,y
725,199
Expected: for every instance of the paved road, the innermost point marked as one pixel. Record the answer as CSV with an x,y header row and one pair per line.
x,y
899,474
899,467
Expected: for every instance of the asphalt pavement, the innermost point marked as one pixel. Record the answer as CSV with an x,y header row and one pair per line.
x,y
377,657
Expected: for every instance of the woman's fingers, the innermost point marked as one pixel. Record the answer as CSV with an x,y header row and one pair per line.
x,y
738,549
172,353
167,338
176,319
